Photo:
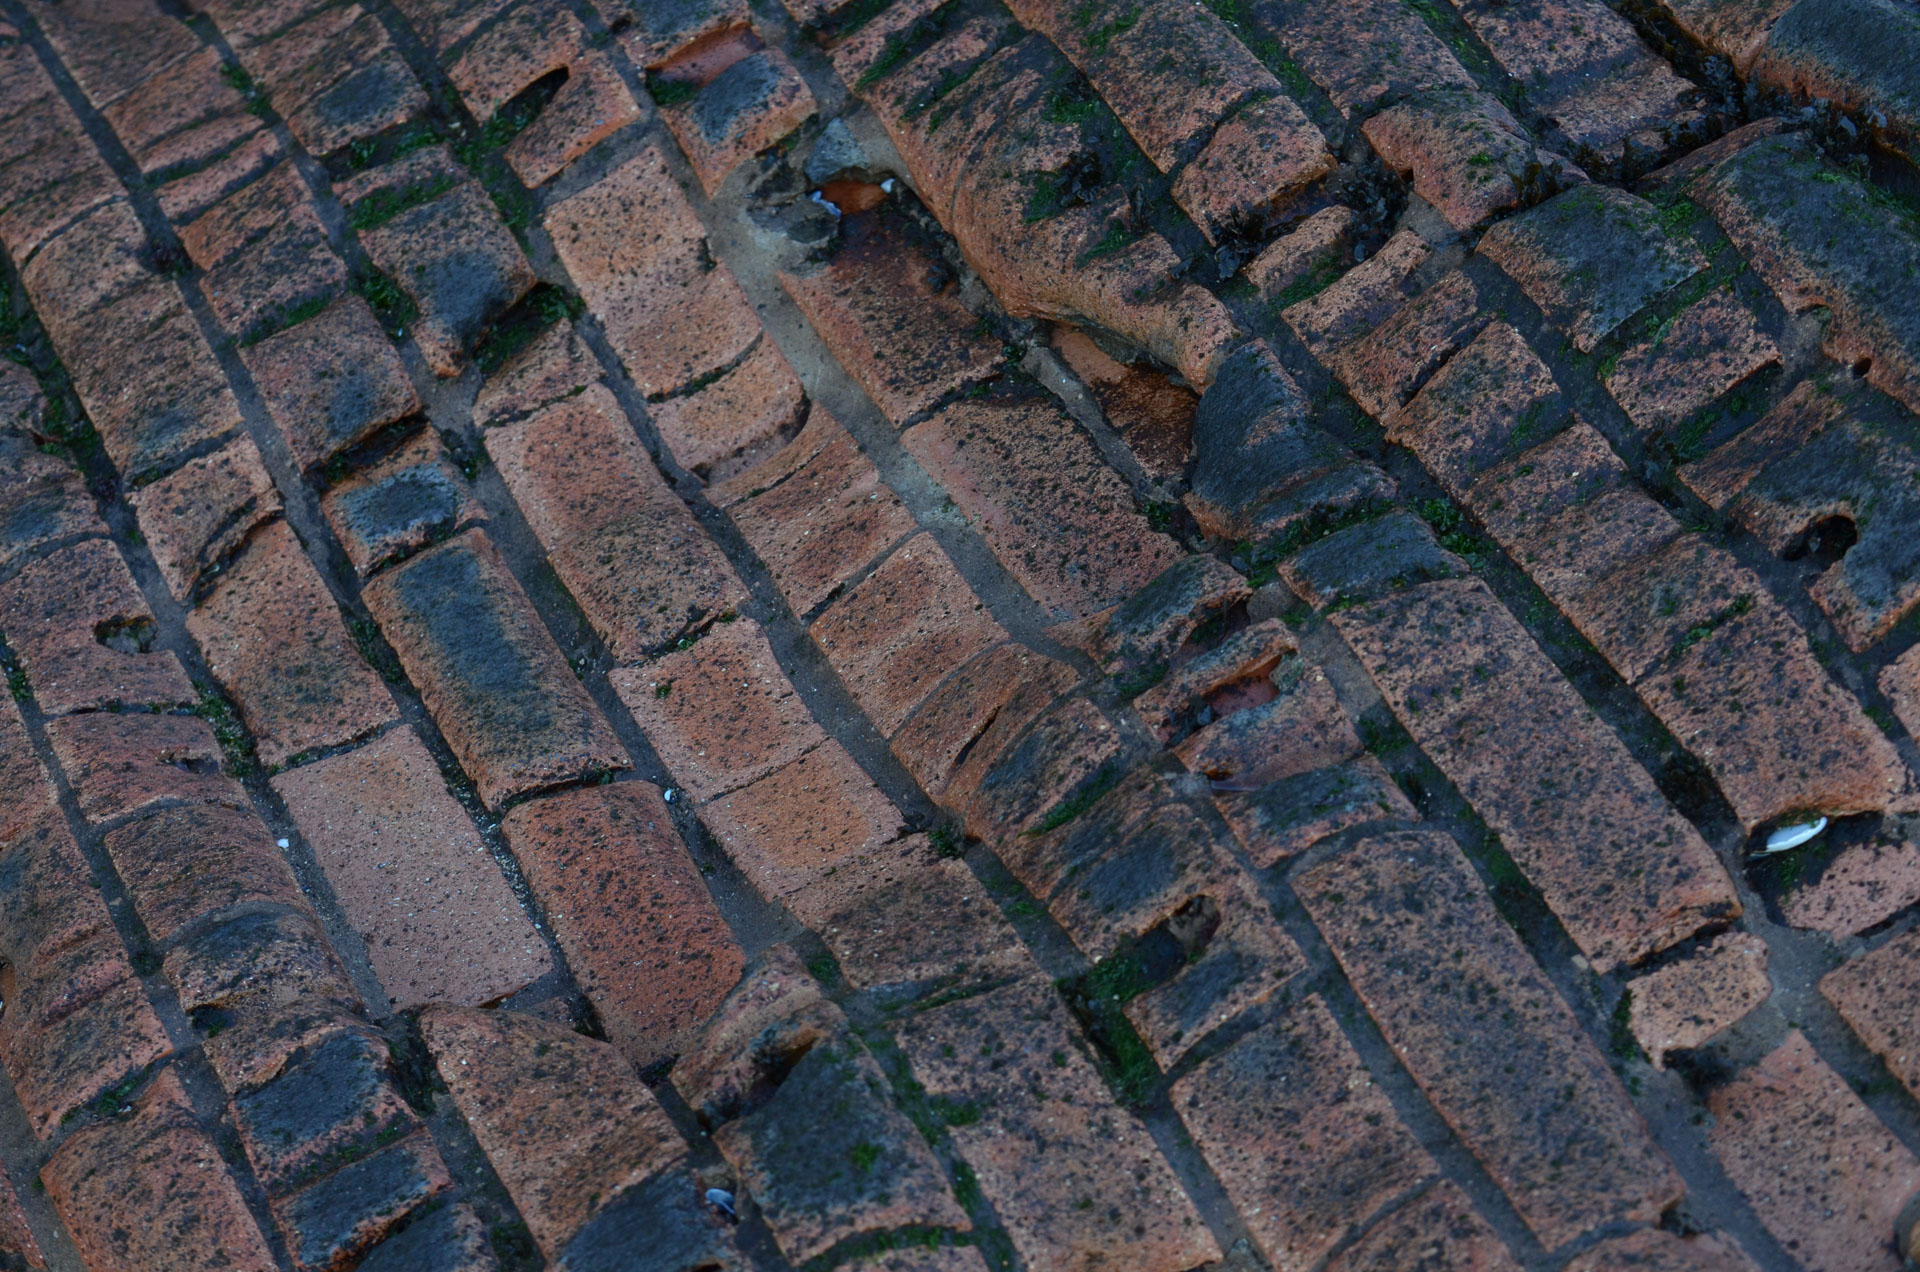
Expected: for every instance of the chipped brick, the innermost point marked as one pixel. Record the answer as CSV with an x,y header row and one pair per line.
x,y
182,864
120,764
1388,366
1682,1005
331,381
196,516
555,364
953,739
327,1108
1258,158
1729,468
408,500
1300,729
743,110
1494,399
1711,346
800,822
773,1015
1064,753
591,106
1287,816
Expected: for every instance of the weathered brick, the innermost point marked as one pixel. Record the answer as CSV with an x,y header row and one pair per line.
x,y
1310,255
1216,685
1436,1232
1362,53
1466,154
1823,1175
159,1165
331,381
721,714
111,49
1301,729
273,637
885,307
1245,960
102,257
895,635
81,630
1362,298
289,268
412,875
1370,561
1151,626
282,198
529,42
408,500
441,24
1306,1144
1257,160
497,685
625,545
724,427
630,911
1387,367
815,514
564,1120
802,821
338,1217
1287,816
122,763
22,774
448,1238
749,106
653,36
1143,803
1682,1005
959,731
1900,681
56,174
43,498
1657,1250
1558,1133
77,1021
828,1156
193,194
1873,993
1066,752
183,864
1709,348
1494,399
1053,513
770,1018
183,116
16,1239
1591,259
1625,873
326,1109
671,314
555,364
1150,410
1862,887
592,105
1073,1177
357,87
1815,51
1727,470
199,514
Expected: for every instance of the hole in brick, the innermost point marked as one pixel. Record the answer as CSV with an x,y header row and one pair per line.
x,y
1862,366
1825,541
125,635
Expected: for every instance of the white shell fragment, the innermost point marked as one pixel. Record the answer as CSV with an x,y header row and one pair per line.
x,y
721,1199
1787,838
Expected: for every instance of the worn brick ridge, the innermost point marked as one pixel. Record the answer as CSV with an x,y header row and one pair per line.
x,y
861,635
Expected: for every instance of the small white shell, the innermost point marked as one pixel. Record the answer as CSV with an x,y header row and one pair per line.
x,y
1788,838
720,1199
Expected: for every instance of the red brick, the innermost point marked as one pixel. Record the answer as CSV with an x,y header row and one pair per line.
x,y
279,199
721,714
1592,258
187,197
1728,469
774,1014
1457,995
159,1165
184,116
1362,298
746,108
289,267
564,1120
653,36
896,634
80,628
592,105
1363,52
555,364
671,314
815,514
1300,730
1900,682
56,176
1217,684
329,1106
724,427
630,911
77,1021
331,381
1053,513
799,823
1154,624
16,1239
1710,347
1625,873
959,731
111,48
1436,1232
1308,1148
1494,399
199,514
340,1216
888,313
410,499
528,42
1824,1176
1874,994
1737,32
43,498
182,864
1287,816
98,259
1387,367
1140,804
22,774
1682,1005
412,875
1244,962
1152,413
358,87
1657,1250
1862,887
1073,1178
498,687
620,539
1316,250
1066,749
1650,608
1258,159
441,24
273,637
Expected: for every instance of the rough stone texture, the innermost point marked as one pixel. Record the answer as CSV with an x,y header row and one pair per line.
x,y
1660,1251
1872,992
1683,1004
1436,1232
331,381
412,874
630,912
199,514
1820,1171
1558,1133
1865,885
1710,348
120,764
499,689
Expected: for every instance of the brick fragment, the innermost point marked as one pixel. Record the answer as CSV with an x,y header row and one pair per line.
x,y
564,1120
886,310
1305,1143
331,381
1068,750
324,1110
196,516
1041,1162
1657,1250
591,106
1466,154
611,524
721,714
1436,1232
746,108
1245,961
1727,470
1218,684
1873,993
498,687
1494,399
1053,513
1153,624
555,364
954,738
816,514
408,500
338,1217
1712,346
273,636
159,1165
1152,413
802,821
630,911
527,43
412,875
1682,1005
1388,366
1259,158
724,427
774,1014
122,763
1557,1134
1371,561
1361,298
182,864
1301,729
82,631
1823,1175
43,498
1862,887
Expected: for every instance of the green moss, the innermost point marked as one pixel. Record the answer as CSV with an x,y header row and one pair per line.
x,y
541,308
670,92
946,840
1117,239
384,205
1087,796
392,306
285,316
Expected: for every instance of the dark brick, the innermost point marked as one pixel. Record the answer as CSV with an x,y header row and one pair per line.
x,y
949,744
414,497
771,1017
1493,400
17,1245
1245,961
337,1217
324,1110
746,108
43,498
1360,299
1211,686
331,381
449,1238
1387,367
1729,468
1815,51
1300,729
498,687
1066,751
1374,559
183,864
120,764
663,1221
1362,53
1286,817
1705,351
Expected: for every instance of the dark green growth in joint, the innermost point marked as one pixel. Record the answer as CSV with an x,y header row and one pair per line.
x,y
541,308
1079,802
234,742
